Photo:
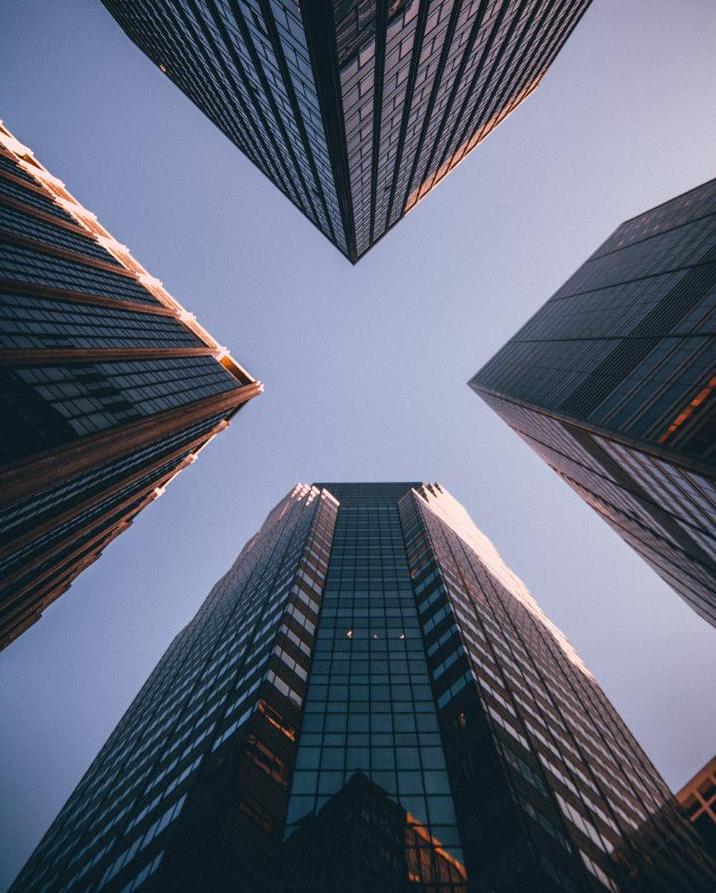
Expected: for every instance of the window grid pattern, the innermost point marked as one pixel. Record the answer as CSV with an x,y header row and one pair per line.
x,y
624,354
369,707
30,322
698,800
28,266
10,167
357,632
14,221
72,333
30,197
157,753
53,574
575,766
86,518
674,534
94,396
420,83
21,516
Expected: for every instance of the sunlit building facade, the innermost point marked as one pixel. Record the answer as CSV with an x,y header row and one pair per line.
x,y
355,109
108,388
612,383
370,700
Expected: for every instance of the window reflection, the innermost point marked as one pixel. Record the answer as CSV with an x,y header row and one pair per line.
x,y
364,840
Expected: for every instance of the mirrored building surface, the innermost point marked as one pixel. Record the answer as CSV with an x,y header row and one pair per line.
x,y
612,383
363,840
108,388
370,700
355,109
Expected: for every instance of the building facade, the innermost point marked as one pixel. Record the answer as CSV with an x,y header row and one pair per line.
x,y
612,383
355,109
370,700
698,799
108,388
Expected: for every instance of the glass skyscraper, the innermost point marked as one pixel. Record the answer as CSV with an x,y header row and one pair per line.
x,y
370,700
698,799
355,109
612,383
108,388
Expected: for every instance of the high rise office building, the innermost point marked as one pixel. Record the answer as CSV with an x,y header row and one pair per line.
x,y
108,388
698,798
612,383
355,109
370,700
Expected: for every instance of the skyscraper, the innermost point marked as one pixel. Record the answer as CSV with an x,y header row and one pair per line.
x,y
108,388
354,109
698,798
612,383
370,700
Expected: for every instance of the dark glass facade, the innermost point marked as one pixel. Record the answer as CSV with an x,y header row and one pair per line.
x,y
108,388
369,705
698,799
355,109
370,700
612,383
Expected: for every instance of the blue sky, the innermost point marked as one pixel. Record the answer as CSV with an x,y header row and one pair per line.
x,y
364,367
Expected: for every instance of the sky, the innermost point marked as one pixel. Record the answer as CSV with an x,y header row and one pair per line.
x,y
365,367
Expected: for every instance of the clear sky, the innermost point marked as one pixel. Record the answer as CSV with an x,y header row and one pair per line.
x,y
364,367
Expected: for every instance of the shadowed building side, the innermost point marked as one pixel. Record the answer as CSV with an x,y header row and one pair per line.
x,y
612,382
108,388
354,109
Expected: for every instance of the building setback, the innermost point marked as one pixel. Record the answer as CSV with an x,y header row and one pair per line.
x,y
698,798
108,388
370,700
612,383
356,109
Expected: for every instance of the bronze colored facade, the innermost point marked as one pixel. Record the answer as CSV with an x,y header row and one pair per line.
x,y
613,383
698,799
355,109
108,388
370,700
